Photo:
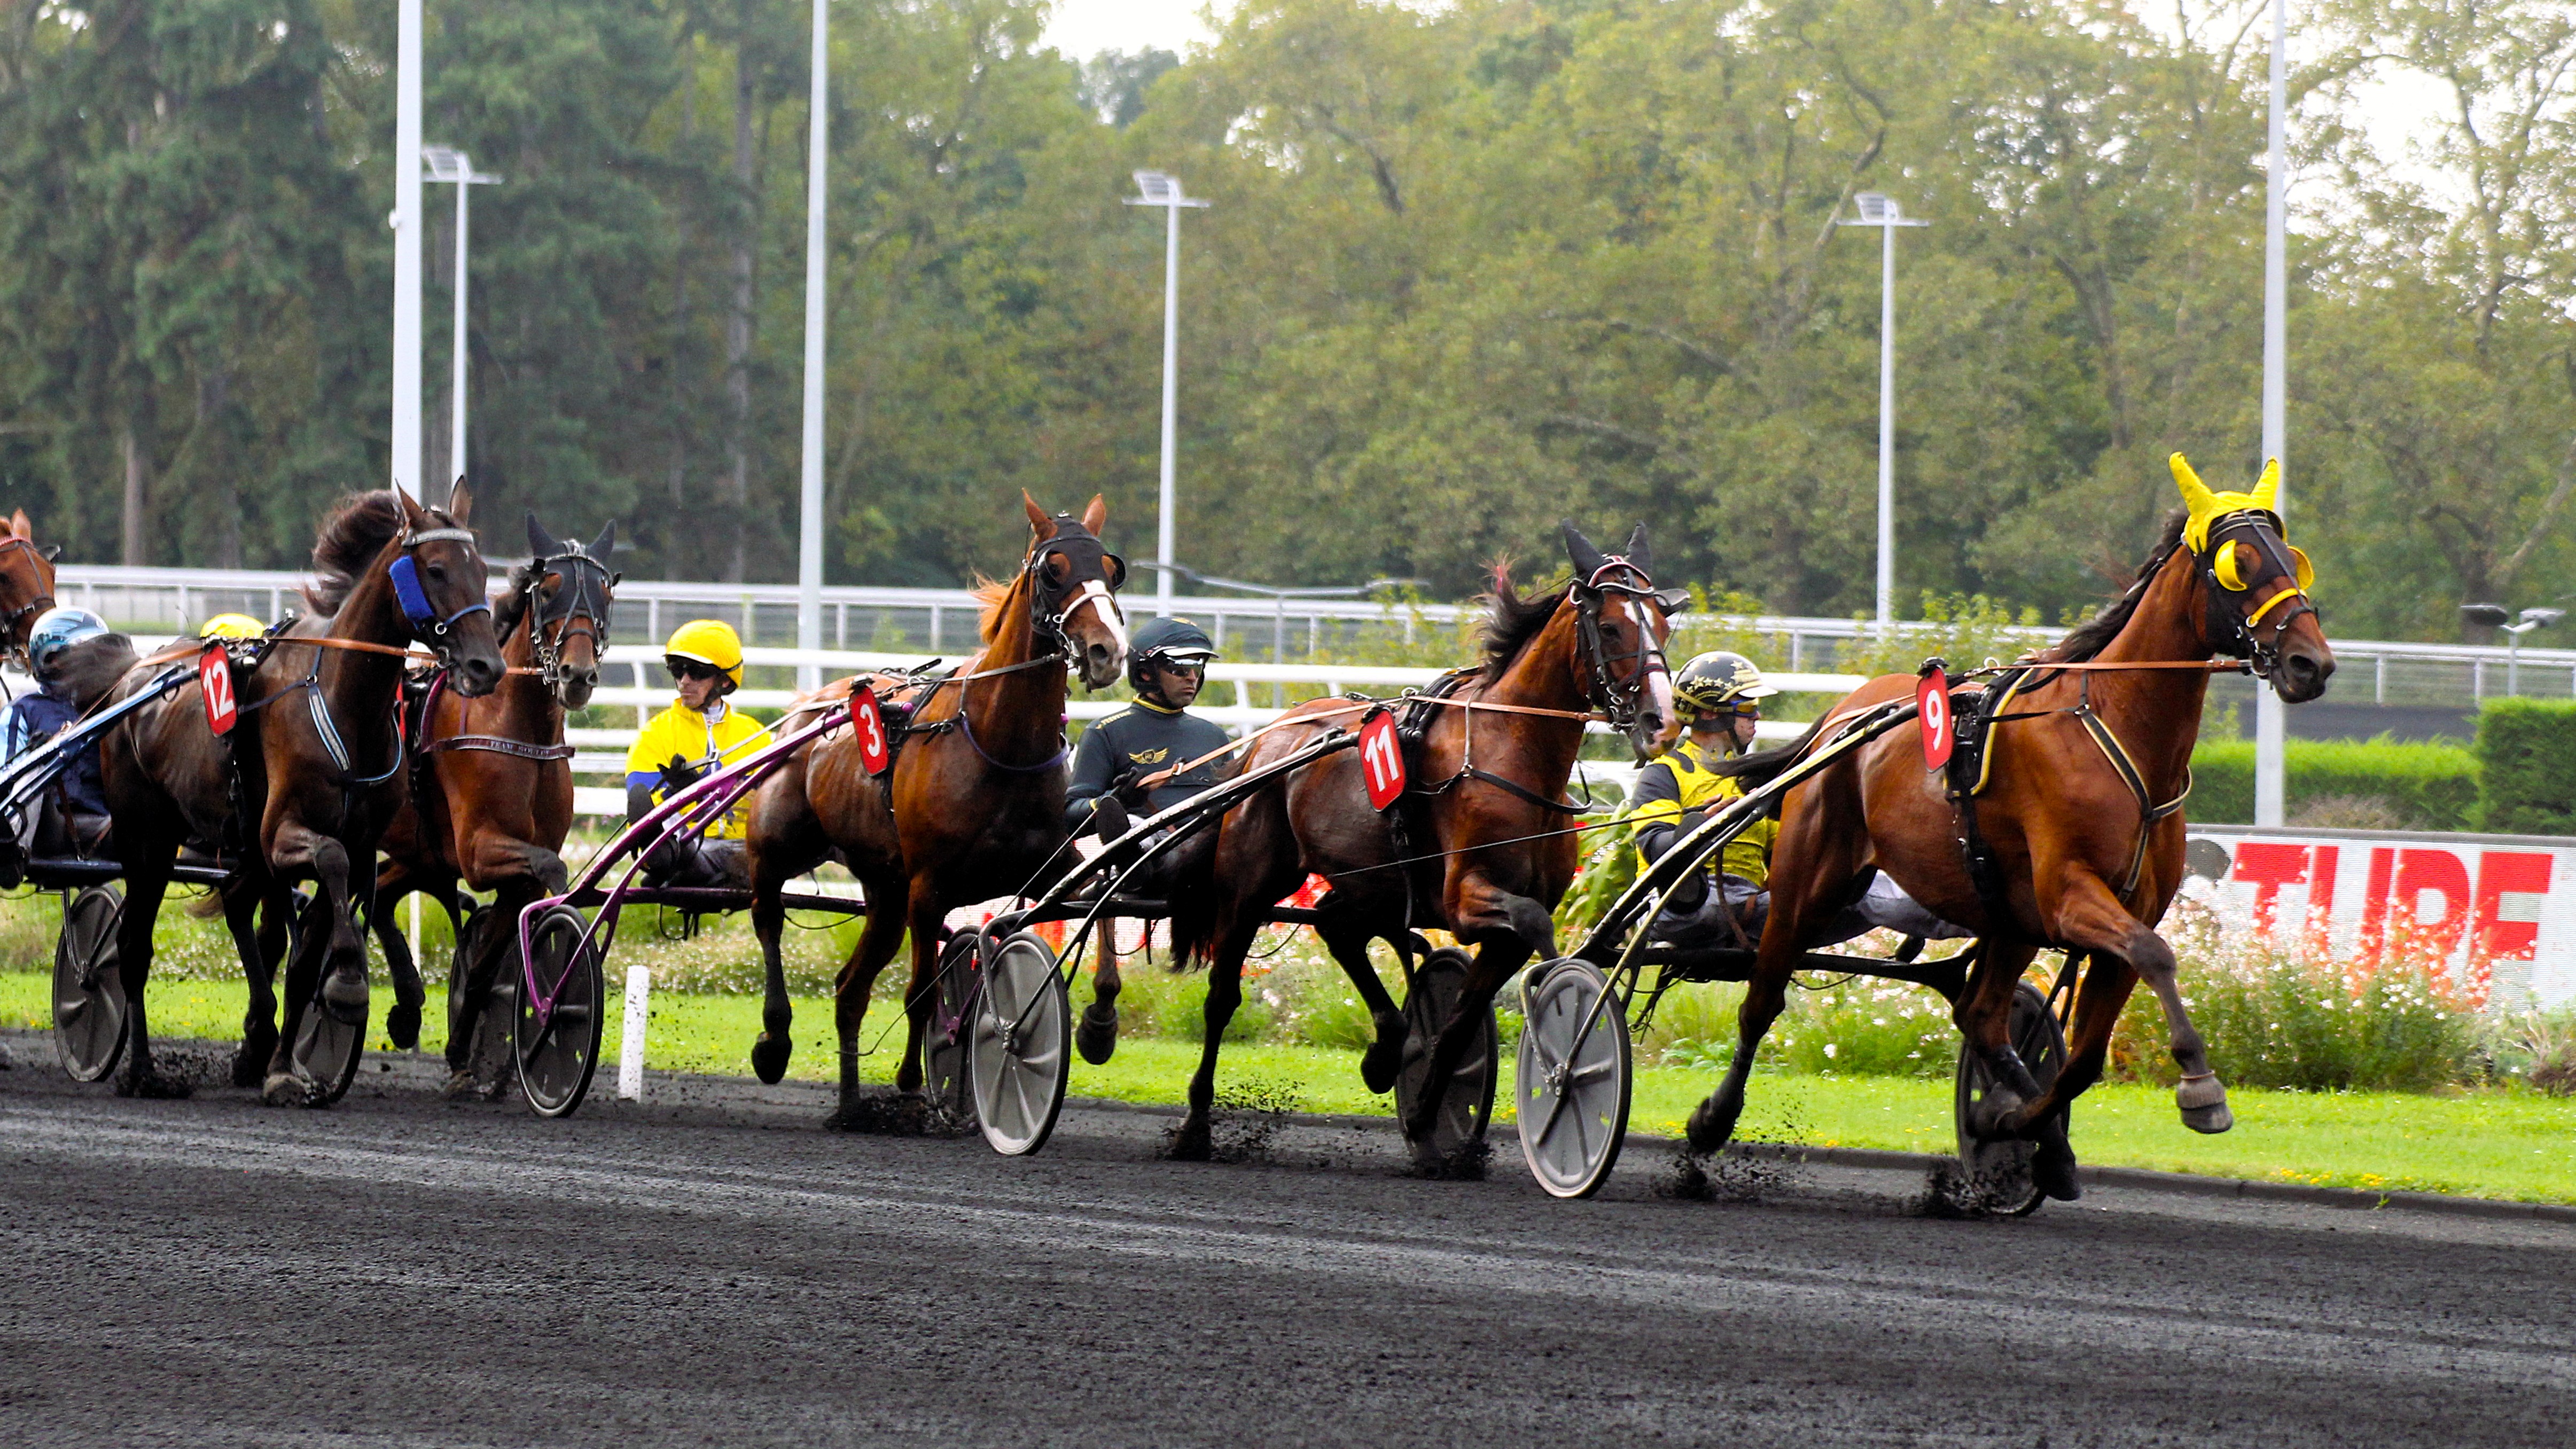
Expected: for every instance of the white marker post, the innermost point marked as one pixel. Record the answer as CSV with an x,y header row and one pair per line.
x,y
630,1052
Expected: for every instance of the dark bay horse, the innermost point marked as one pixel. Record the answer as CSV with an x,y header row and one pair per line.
x,y
973,806
2087,855
1492,852
491,797
311,771
26,584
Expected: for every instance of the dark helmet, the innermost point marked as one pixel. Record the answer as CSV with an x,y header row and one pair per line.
x,y
1719,683
1165,641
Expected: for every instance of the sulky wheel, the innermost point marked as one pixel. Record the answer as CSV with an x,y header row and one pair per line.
x,y
1018,1031
89,990
944,1079
1573,1079
1468,1103
1998,1172
558,1053
326,1051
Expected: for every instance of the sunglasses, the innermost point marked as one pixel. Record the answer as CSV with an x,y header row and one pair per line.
x,y
691,669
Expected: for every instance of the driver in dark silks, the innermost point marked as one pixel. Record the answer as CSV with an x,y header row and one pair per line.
x,y
1167,663
76,659
1720,698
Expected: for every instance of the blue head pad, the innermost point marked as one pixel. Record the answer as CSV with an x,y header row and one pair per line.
x,y
407,591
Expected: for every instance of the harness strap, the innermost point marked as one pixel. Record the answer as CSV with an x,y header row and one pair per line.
x,y
499,745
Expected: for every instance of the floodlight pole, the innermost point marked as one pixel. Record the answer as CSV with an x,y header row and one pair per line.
x,y
2270,785
404,461
448,164
1154,188
1883,212
809,516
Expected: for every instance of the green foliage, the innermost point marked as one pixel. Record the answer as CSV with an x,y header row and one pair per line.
x,y
2274,1019
2527,749
2420,786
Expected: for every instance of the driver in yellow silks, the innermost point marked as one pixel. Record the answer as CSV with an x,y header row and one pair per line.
x,y
698,733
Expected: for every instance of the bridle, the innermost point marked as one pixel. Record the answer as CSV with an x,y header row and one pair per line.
x,y
1620,698
15,622
427,627
2231,624
584,605
1053,605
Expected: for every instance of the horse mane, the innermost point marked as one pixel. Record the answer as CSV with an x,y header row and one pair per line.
x,y
358,529
1511,621
2095,634
514,603
990,595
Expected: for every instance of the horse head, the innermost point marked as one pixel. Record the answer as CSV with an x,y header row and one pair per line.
x,y
441,583
2255,583
1072,578
26,583
1625,620
572,593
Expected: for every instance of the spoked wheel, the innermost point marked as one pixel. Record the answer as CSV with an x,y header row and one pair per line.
x,y
558,1054
944,1078
1999,1172
1574,1077
1019,1028
89,991
1468,1103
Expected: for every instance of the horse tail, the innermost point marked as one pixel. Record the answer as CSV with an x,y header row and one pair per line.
x,y
1763,766
1193,929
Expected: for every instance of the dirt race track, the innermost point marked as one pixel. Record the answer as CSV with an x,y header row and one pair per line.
x,y
400,1271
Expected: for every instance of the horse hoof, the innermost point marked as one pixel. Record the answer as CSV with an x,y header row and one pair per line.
x,y
2052,1171
1711,1123
402,1025
769,1058
2208,1120
285,1089
152,1087
1190,1142
251,1067
461,1086
1096,1035
345,997
1385,1056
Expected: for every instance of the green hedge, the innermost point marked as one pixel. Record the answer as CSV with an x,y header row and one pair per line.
x,y
2528,749
2428,786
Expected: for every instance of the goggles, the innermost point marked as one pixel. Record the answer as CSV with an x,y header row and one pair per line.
x,y
690,668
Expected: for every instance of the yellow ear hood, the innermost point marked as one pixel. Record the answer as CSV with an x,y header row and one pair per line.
x,y
2207,507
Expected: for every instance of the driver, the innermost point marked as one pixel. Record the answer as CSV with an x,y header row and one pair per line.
x,y
76,660
1720,698
697,733
1167,663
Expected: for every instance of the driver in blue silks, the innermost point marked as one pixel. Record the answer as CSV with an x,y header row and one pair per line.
x,y
76,660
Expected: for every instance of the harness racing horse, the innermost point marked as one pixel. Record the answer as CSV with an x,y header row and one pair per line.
x,y
1480,846
310,772
491,797
26,584
2076,841
971,808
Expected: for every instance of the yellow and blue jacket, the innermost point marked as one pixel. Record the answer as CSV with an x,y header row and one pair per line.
x,y
706,741
1680,782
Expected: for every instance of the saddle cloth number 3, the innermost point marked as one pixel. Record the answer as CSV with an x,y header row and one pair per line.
x,y
869,722
1381,760
215,680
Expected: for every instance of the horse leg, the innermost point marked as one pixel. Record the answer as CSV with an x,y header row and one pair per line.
x,y
877,942
2104,989
1194,1141
329,942
2087,914
1983,1014
1096,1035
402,1020
1349,943
1507,929
770,1049
143,891
251,937
924,934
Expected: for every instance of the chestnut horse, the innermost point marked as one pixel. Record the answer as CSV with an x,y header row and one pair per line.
x,y
26,584
1486,853
311,771
2086,855
492,777
973,806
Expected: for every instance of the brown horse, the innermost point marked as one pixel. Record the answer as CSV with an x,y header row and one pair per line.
x,y
311,770
2086,854
492,783
973,806
26,584
1485,850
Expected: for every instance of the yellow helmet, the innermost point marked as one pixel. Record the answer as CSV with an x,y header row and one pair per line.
x,y
708,641
231,626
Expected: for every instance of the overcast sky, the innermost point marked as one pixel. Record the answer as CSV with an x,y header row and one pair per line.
x,y
1084,28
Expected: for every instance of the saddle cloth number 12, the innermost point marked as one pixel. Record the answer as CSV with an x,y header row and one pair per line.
x,y
215,680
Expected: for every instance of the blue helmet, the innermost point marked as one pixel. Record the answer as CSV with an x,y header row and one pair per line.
x,y
57,630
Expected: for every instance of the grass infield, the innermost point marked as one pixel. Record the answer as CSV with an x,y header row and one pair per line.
x,y
2506,1143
